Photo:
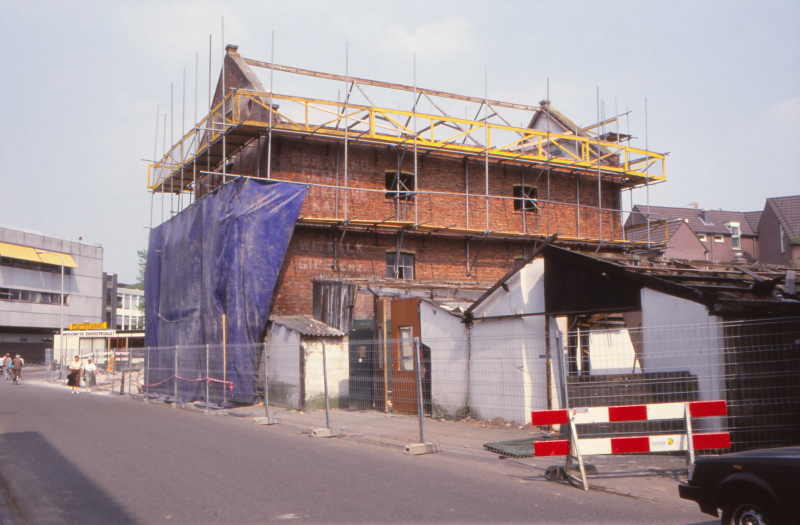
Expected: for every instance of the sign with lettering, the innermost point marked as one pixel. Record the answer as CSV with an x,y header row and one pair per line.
x,y
91,333
88,326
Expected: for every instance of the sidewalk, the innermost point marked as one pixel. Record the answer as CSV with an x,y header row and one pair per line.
x,y
647,477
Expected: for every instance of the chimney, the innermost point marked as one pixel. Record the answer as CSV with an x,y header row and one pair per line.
x,y
704,215
230,48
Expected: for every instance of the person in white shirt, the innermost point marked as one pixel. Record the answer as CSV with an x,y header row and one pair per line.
x,y
89,375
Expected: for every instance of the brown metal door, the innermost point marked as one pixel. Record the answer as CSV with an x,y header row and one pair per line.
x,y
405,327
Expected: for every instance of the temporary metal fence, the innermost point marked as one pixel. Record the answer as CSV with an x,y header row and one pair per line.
x,y
478,393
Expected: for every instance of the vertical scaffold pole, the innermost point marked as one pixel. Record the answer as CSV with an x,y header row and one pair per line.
x,y
269,133
224,135
486,148
346,120
416,197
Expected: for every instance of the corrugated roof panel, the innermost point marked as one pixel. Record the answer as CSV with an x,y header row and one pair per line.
x,y
306,325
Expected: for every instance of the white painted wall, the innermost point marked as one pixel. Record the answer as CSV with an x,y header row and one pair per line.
x,y
611,352
338,361
446,335
284,346
695,345
507,377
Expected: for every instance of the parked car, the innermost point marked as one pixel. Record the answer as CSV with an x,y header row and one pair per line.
x,y
758,487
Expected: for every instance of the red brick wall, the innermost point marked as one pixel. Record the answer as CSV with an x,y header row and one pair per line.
x,y
315,161
437,259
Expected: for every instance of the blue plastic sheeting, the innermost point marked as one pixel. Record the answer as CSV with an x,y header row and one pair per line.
x,y
219,256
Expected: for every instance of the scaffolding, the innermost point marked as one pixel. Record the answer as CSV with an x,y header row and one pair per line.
x,y
243,116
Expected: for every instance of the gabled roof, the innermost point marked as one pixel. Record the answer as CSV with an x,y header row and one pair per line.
x,y
753,218
787,209
715,223
306,325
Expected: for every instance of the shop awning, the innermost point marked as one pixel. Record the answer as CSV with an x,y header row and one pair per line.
x,y
26,253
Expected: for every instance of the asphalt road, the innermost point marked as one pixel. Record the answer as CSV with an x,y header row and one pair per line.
x,y
97,459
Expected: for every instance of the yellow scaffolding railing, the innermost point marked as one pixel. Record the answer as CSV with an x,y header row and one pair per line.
x,y
246,116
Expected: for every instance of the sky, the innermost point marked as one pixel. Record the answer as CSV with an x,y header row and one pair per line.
x,y
82,81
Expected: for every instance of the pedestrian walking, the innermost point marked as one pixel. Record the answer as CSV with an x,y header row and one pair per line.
x,y
74,377
89,375
16,364
6,366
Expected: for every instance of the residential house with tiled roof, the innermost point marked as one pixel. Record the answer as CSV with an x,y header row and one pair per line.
x,y
699,234
779,231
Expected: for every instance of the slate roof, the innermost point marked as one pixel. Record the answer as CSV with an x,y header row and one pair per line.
x,y
715,224
788,211
306,325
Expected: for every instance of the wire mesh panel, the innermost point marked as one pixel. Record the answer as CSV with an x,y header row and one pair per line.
x,y
479,393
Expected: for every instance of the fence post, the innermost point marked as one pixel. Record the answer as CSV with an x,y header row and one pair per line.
x,y
266,384
325,379
175,390
562,366
113,368
208,375
147,356
418,375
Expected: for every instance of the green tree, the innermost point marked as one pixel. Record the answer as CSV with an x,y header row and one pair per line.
x,y
139,284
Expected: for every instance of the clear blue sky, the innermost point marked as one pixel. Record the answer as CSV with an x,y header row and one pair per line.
x,y
81,82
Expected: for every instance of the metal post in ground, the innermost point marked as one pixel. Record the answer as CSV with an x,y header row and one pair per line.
x,y
423,447
208,375
267,420
327,431
113,368
175,390
325,379
418,377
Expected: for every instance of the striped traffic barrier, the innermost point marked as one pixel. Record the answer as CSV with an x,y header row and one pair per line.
x,y
576,448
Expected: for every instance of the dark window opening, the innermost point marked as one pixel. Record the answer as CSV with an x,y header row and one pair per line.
x,y
525,198
400,269
401,187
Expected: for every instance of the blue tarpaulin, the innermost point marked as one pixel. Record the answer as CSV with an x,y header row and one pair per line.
x,y
221,255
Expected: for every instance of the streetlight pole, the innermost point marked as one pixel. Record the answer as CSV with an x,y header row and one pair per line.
x,y
61,338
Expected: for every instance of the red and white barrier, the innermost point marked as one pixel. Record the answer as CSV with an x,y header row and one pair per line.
x,y
619,414
634,444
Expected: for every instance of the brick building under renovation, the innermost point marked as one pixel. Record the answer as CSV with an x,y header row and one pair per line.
x,y
407,202
401,198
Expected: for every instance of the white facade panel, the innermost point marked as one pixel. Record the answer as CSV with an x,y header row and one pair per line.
x,y
446,335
